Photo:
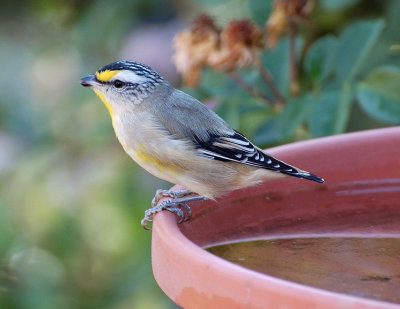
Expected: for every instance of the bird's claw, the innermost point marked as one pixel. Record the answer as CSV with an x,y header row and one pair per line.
x,y
160,193
144,222
177,204
183,214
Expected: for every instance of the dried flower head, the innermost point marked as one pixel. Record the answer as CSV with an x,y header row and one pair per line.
x,y
285,10
276,24
239,41
202,22
297,8
193,47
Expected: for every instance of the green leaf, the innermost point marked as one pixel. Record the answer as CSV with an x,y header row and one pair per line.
x,y
277,63
296,110
216,84
331,112
269,133
379,94
283,126
337,5
260,10
392,9
354,45
211,3
320,58
228,111
225,10
253,115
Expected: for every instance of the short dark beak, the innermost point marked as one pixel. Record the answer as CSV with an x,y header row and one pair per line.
x,y
89,81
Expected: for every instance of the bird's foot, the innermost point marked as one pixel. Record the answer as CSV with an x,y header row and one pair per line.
x,y
160,193
177,205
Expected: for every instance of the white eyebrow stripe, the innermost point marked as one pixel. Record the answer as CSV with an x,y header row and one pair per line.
x,y
129,77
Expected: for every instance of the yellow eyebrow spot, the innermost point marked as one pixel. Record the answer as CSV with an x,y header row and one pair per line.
x,y
106,75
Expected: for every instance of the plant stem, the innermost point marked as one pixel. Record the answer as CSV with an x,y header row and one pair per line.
x,y
266,75
294,74
249,88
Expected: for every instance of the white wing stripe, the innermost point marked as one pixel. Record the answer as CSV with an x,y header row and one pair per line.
x,y
235,141
233,146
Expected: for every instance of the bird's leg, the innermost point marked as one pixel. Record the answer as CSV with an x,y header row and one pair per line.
x,y
172,205
160,193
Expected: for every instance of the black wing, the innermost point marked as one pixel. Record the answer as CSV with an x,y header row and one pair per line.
x,y
238,148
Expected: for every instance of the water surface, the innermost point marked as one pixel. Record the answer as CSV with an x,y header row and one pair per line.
x,y
363,266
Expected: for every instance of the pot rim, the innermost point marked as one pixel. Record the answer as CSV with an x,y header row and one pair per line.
x,y
171,251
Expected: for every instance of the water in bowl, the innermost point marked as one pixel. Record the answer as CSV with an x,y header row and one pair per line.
x,y
365,266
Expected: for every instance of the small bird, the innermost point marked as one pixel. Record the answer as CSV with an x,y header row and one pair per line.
x,y
178,139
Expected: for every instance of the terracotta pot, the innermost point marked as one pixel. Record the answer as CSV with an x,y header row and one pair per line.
x,y
360,200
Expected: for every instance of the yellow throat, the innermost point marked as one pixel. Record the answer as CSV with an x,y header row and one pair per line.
x,y
105,76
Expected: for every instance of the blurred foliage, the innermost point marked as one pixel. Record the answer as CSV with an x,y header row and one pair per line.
x,y
71,200
348,68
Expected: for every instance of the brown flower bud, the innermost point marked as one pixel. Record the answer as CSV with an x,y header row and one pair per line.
x,y
297,8
276,25
283,11
239,41
193,47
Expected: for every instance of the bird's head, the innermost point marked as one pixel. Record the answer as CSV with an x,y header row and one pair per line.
x,y
122,83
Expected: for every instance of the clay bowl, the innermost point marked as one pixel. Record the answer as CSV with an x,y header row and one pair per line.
x,y
292,243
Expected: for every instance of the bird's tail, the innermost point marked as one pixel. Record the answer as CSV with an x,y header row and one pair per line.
x,y
284,168
296,172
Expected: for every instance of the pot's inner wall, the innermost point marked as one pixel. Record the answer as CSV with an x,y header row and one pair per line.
x,y
356,208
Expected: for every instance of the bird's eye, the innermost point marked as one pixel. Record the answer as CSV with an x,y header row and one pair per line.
x,y
118,84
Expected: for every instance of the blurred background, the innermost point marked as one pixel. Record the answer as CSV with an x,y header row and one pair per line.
x,y
71,200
